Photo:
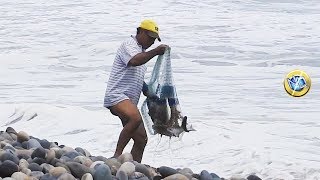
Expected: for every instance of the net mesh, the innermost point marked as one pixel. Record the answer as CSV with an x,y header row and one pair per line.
x,y
161,110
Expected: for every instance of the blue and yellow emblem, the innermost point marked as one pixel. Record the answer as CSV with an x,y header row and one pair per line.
x,y
297,83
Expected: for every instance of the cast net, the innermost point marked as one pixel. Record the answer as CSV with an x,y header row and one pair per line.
x,y
161,110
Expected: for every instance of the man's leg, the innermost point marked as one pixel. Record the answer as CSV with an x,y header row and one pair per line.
x,y
126,111
140,141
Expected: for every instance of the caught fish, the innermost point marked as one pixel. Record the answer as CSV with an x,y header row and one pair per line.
x,y
161,110
166,117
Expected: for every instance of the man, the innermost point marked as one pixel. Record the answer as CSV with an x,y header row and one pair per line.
x,y
125,86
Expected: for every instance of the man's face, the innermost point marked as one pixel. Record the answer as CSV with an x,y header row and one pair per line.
x,y
147,40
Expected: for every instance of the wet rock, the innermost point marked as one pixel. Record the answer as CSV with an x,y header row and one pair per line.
x,y
26,171
57,171
54,161
54,145
23,164
68,149
98,158
9,156
128,168
16,144
45,143
23,153
114,165
176,177
39,160
20,176
13,136
34,167
39,152
88,154
64,166
153,172
126,157
65,159
95,164
80,150
253,177
143,169
205,175
87,176
51,154
186,171
138,175
122,175
36,174
46,167
25,145
71,155
5,136
59,152
215,176
9,147
166,171
22,136
77,170
7,168
83,160
11,130
102,172
66,176
33,144
48,177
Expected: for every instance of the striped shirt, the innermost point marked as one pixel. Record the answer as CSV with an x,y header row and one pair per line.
x,y
125,82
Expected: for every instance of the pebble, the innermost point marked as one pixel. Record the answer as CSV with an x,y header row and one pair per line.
x,y
24,157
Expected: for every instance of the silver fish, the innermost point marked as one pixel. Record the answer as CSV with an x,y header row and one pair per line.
x,y
167,120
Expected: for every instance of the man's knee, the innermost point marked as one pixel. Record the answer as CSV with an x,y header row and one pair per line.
x,y
142,142
140,138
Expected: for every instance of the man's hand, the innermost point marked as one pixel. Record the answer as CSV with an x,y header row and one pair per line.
x,y
161,49
145,89
143,57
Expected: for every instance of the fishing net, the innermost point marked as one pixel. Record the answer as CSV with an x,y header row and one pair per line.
x,y
161,110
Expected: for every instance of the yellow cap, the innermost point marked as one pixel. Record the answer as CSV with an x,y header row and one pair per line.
x,y
152,27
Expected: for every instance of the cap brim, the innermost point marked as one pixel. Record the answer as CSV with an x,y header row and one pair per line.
x,y
154,35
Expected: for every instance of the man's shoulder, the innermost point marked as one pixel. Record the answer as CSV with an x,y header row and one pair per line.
x,y
130,42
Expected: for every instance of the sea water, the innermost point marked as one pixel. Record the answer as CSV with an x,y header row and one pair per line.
x,y
229,60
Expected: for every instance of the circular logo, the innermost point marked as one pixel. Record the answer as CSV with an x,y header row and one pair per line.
x,y
297,83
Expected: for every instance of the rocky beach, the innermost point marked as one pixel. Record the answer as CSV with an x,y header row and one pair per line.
x,y
24,157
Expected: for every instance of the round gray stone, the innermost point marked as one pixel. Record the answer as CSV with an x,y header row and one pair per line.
x,y
205,175
34,167
9,156
39,152
77,170
33,143
7,168
102,172
22,136
166,171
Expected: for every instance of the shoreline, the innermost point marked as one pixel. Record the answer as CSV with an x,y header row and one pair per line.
x,y
23,156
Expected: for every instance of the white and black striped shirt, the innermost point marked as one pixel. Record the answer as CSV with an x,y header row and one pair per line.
x,y
125,82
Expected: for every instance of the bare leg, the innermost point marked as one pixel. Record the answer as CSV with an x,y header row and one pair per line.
x,y
131,119
140,141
